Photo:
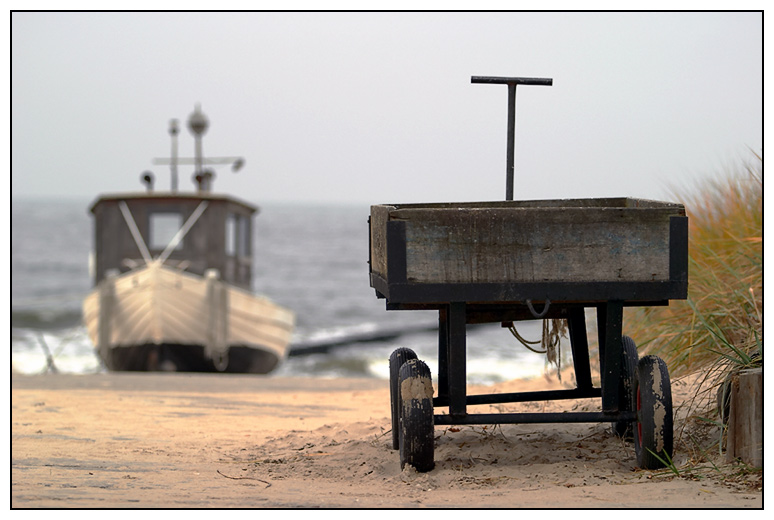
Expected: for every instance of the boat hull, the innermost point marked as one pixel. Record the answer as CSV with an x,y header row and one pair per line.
x,y
161,318
187,358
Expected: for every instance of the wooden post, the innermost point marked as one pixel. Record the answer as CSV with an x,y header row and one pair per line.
x,y
745,422
107,289
217,333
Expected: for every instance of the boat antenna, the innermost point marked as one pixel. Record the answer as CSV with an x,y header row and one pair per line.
x,y
198,125
147,179
173,131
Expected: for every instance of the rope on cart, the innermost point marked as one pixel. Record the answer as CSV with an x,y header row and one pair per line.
x,y
553,341
526,342
553,331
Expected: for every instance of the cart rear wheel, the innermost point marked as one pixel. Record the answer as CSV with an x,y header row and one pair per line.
x,y
416,429
629,359
653,433
397,358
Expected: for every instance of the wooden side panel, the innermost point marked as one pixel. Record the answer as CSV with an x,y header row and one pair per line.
x,y
379,217
538,245
490,246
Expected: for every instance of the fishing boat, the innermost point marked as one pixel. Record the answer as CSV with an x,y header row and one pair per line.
x,y
172,277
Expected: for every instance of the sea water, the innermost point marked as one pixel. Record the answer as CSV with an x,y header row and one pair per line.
x,y
312,259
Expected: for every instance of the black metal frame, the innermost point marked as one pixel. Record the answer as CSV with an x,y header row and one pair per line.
x,y
452,347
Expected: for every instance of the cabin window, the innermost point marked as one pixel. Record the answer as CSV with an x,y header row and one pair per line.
x,y
244,236
237,235
163,227
231,235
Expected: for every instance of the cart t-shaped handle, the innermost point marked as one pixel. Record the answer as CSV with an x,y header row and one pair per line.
x,y
511,82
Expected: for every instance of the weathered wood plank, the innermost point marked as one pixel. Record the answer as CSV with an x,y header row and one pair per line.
x,y
379,217
578,240
538,246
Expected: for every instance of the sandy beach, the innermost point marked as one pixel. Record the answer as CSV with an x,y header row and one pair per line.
x,y
215,441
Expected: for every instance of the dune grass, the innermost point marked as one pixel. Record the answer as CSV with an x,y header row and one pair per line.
x,y
719,327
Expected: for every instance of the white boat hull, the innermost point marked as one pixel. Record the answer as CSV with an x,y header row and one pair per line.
x,y
161,318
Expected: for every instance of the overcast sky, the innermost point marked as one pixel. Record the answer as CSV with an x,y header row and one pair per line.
x,y
377,108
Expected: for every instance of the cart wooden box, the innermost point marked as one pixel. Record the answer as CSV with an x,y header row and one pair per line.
x,y
560,250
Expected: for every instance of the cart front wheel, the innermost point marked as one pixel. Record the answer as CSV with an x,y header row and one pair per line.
x,y
416,429
397,358
653,432
629,359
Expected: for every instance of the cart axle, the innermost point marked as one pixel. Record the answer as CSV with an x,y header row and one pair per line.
x,y
521,397
533,418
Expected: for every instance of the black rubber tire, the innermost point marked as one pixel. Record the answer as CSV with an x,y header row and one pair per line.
x,y
417,428
397,358
629,360
653,432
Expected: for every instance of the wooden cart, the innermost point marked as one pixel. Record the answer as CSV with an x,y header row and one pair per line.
x,y
522,260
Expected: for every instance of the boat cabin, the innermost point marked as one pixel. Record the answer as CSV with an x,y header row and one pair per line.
x,y
131,229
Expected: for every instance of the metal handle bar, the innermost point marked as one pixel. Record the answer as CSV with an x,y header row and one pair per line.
x,y
512,83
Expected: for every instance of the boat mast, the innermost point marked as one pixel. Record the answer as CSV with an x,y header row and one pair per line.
x,y
173,131
198,124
